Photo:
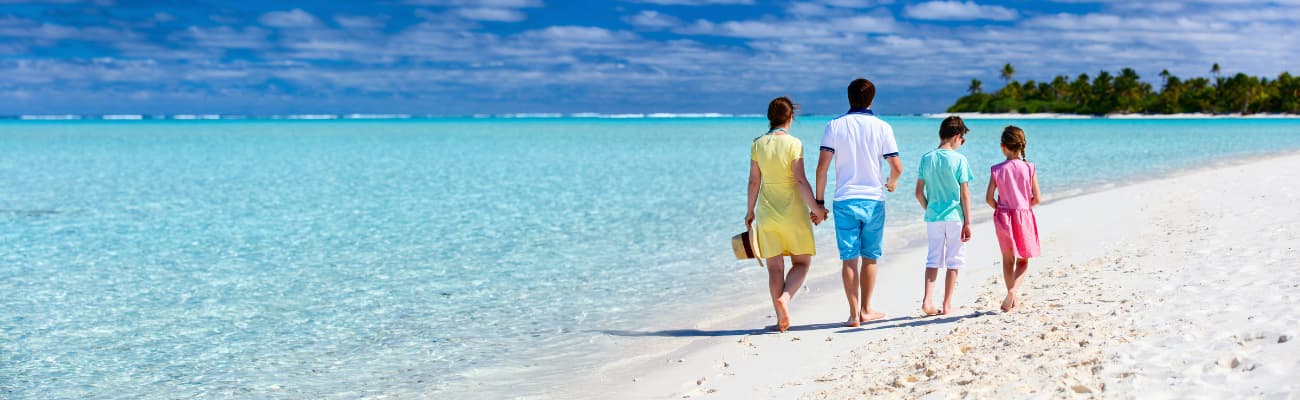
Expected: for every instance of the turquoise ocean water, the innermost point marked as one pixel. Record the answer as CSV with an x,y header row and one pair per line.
x,y
468,258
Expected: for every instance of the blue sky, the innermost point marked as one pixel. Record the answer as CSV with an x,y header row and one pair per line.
x,y
454,57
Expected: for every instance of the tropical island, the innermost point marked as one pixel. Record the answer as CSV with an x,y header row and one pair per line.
x,y
1126,93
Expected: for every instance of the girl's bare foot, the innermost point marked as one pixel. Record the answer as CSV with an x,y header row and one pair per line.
x,y
1009,303
854,321
948,309
782,314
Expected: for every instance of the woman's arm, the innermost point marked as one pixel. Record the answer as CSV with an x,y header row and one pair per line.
x,y
755,180
1033,201
988,195
805,190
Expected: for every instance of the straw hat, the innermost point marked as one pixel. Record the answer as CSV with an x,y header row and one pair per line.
x,y
743,245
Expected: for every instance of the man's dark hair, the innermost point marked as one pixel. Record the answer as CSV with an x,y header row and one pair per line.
x,y
861,93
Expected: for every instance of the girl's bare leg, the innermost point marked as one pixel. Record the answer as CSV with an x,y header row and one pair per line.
x,y
776,286
1008,278
1022,266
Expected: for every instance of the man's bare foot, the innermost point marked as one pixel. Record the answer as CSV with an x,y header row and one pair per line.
x,y
869,316
853,322
782,315
929,309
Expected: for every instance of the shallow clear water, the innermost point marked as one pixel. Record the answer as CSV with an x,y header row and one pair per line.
x,y
467,257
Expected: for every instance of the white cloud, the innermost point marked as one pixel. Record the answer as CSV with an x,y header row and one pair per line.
x,y
491,14
652,20
693,2
224,37
958,10
295,18
361,22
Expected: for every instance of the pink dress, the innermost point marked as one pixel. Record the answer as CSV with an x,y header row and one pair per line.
x,y
1015,223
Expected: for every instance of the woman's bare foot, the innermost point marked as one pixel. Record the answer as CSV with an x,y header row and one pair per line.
x,y
782,314
929,309
854,321
1009,303
868,316
948,309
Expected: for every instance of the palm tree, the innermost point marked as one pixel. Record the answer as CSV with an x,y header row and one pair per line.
x,y
1215,69
976,87
1164,76
1007,72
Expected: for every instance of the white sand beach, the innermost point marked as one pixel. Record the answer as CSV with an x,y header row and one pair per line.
x,y
1172,288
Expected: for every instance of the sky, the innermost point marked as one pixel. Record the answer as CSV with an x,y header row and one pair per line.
x,y
460,57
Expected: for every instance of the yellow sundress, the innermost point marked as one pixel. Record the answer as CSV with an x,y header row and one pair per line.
x,y
781,217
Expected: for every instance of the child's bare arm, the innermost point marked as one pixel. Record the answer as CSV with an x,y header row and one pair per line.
x,y
1033,201
755,181
965,211
920,193
988,195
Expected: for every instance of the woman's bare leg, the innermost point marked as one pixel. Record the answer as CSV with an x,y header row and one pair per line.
x,y
776,286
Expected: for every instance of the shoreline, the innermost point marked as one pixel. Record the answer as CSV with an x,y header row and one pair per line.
x,y
719,345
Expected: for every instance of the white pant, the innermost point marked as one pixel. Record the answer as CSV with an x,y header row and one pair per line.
x,y
946,248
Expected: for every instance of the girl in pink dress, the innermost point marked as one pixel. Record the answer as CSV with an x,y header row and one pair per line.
x,y
1016,185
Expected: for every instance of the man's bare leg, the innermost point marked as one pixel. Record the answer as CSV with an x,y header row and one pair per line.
x,y
849,273
868,280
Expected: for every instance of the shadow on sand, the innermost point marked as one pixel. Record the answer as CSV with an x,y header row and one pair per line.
x,y
895,322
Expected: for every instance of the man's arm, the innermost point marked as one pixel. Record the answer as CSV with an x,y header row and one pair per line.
x,y
824,158
895,171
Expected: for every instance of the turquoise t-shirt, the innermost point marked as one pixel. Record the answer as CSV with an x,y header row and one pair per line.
x,y
943,171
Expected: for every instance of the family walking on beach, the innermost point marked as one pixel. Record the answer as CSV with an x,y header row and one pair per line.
x,y
782,206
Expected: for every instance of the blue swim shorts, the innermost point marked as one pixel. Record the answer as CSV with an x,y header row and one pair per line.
x,y
859,228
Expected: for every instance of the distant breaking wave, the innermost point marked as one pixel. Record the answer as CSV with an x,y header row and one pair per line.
x,y
360,116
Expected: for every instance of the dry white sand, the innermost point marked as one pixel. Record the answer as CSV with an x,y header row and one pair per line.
x,y
1174,288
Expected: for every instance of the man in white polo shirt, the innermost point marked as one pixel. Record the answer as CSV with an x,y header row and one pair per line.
x,y
858,141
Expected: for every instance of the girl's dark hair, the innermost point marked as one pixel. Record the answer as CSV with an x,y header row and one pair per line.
x,y
1014,139
952,126
779,111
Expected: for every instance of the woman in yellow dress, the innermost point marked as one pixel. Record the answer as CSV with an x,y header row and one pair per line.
x,y
779,196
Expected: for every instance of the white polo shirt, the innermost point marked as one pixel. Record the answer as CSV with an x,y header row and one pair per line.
x,y
860,142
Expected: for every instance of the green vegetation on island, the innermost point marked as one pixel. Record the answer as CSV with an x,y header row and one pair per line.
x,y
1126,93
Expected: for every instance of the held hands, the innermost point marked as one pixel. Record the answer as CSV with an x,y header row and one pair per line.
x,y
818,214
